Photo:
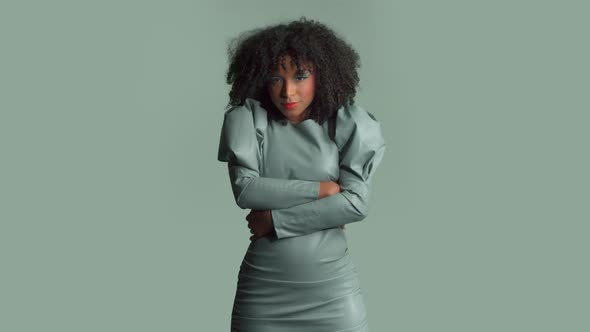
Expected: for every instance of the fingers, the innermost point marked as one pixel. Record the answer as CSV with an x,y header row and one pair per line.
x,y
253,232
256,224
252,216
255,237
256,232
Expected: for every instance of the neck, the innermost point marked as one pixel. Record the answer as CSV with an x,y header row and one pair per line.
x,y
302,117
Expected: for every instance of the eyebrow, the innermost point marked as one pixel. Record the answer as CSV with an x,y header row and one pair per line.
x,y
297,72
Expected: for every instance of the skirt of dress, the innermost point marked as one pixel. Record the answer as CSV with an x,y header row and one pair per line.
x,y
306,283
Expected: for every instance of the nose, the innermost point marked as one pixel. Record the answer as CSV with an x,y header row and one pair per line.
x,y
288,89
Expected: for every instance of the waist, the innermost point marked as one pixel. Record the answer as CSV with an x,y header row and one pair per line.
x,y
311,257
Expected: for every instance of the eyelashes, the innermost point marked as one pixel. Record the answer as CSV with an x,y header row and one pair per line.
x,y
276,79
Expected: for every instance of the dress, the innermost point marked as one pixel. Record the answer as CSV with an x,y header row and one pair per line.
x,y
302,277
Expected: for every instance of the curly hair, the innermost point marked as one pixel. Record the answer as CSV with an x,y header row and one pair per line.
x,y
255,53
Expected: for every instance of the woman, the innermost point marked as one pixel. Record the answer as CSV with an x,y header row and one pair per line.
x,y
301,156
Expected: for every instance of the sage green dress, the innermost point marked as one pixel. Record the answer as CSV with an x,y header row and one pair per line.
x,y
302,278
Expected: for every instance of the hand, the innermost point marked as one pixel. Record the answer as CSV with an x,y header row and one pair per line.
x,y
328,189
260,223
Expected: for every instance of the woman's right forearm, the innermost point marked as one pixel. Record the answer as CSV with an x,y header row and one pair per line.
x,y
261,193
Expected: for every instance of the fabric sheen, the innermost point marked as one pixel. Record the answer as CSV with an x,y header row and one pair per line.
x,y
302,279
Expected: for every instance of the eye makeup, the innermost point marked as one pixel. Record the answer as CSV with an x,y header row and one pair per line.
x,y
300,75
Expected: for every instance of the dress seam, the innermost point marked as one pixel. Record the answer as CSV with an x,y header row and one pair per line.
x,y
353,271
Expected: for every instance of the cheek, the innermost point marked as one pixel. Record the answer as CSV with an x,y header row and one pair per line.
x,y
271,92
309,88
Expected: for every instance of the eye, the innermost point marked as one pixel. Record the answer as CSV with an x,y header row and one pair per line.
x,y
274,80
301,75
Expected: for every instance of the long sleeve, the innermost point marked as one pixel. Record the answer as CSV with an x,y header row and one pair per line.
x,y
239,146
361,145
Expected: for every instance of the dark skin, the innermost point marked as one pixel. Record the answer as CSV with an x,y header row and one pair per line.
x,y
260,221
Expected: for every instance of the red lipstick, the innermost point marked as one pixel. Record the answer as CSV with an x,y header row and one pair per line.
x,y
289,106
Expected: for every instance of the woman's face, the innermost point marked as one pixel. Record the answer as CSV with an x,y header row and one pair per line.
x,y
291,90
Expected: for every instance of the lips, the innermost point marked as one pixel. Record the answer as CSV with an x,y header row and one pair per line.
x,y
289,106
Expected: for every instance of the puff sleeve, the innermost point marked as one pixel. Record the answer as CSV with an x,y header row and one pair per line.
x,y
239,146
361,145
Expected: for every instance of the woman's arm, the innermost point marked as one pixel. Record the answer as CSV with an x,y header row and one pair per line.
x,y
348,206
262,193
239,147
260,221
362,147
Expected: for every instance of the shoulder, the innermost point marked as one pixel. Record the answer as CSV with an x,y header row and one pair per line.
x,y
355,122
355,117
243,127
250,112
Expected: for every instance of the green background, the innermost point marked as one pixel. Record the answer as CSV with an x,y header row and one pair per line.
x,y
116,216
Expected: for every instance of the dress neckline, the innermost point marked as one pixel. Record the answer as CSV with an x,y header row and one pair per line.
x,y
298,123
